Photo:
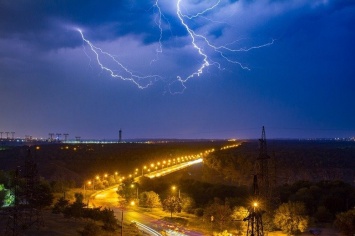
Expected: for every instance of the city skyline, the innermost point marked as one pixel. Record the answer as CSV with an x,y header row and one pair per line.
x,y
179,69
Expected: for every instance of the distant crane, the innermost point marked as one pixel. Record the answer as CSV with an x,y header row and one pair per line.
x,y
51,137
7,135
77,138
13,135
1,135
65,137
120,136
58,136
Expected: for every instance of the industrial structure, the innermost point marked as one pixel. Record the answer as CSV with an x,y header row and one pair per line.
x,y
261,193
120,136
26,212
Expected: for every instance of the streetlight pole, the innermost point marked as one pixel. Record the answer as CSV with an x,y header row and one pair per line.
x,y
136,186
84,191
174,188
122,223
143,168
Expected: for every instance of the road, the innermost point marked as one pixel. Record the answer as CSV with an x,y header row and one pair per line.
x,y
146,222
171,169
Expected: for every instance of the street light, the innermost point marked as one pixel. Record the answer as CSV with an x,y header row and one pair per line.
x,y
255,204
86,183
144,167
132,186
174,188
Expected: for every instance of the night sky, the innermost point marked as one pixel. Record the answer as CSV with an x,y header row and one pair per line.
x,y
210,69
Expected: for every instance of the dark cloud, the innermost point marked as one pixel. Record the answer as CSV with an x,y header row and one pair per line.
x,y
49,82
51,23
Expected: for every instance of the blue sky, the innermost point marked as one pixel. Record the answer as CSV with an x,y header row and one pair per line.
x,y
286,65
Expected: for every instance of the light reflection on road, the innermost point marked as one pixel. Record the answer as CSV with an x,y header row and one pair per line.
x,y
108,198
171,169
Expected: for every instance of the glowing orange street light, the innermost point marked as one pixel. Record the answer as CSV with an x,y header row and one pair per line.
x,y
144,167
255,205
174,188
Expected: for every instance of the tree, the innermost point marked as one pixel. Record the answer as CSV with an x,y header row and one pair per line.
x,y
7,198
111,180
345,222
238,214
90,229
41,195
149,199
323,214
291,218
109,220
60,205
76,208
126,191
187,204
172,204
224,233
219,212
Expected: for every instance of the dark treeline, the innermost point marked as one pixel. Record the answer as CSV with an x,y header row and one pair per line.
x,y
290,161
323,200
68,162
203,193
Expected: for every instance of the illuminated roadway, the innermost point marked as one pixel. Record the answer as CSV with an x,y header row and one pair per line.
x,y
148,223
108,198
170,169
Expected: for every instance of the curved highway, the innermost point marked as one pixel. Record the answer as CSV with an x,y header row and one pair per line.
x,y
148,223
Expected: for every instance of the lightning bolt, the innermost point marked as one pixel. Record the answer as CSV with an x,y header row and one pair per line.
x,y
199,42
141,82
199,13
158,22
221,50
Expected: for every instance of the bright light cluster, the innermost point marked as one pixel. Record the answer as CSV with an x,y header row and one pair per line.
x,y
230,146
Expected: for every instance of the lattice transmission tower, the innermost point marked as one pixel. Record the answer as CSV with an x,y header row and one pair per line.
x,y
261,193
24,214
262,167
